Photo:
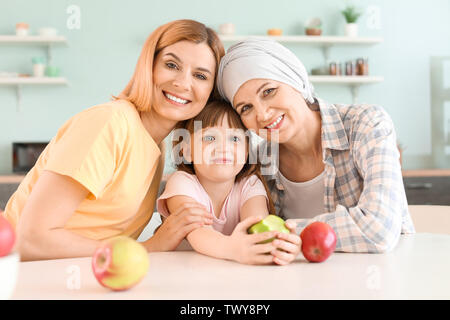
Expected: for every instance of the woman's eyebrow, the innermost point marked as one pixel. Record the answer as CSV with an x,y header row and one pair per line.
x,y
173,55
262,86
204,70
179,60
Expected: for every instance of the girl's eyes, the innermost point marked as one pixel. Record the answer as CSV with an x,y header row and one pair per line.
x,y
212,138
235,139
208,138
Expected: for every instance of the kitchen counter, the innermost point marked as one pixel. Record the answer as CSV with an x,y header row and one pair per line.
x,y
416,269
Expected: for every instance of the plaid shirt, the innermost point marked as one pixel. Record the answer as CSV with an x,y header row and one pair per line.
x,y
364,198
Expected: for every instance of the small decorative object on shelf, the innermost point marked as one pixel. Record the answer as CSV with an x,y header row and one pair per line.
x,y
320,71
351,15
52,71
350,68
275,32
227,29
38,66
48,32
362,67
313,27
22,29
336,69
333,68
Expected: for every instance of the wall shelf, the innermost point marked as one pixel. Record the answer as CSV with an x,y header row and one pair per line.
x,y
318,40
34,40
47,42
325,43
32,80
353,81
18,82
13,39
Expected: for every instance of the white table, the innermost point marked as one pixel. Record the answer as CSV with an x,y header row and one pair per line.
x,y
417,269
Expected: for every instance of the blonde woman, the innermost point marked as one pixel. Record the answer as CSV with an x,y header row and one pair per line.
x,y
99,176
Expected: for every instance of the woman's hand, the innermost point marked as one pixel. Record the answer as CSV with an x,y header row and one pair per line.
x,y
287,246
188,217
245,248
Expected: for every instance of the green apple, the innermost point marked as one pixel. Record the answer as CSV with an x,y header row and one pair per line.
x,y
269,223
120,263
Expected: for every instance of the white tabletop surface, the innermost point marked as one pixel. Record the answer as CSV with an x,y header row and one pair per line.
x,y
418,268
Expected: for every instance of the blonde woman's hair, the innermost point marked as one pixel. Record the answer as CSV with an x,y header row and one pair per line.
x,y
139,89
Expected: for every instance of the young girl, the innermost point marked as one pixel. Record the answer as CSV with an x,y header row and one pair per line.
x,y
216,172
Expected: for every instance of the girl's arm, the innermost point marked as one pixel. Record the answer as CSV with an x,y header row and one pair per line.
x,y
40,230
239,246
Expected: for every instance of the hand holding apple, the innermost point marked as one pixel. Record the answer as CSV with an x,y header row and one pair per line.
x,y
120,263
7,237
318,241
269,223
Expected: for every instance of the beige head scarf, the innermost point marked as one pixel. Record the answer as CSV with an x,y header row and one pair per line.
x,y
257,58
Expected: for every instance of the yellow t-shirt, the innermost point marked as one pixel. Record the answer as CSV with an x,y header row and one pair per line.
x,y
106,149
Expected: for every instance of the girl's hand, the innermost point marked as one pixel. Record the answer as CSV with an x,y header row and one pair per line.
x,y
287,246
245,248
188,217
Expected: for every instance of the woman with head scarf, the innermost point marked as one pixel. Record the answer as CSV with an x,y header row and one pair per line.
x,y
337,164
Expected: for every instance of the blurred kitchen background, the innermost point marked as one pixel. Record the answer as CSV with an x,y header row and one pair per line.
x,y
86,51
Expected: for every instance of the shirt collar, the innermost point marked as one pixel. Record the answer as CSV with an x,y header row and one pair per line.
x,y
334,135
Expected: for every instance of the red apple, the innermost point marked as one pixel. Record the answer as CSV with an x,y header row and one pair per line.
x,y
120,263
7,237
318,241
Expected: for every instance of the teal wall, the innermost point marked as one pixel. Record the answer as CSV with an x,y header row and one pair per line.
x,y
101,56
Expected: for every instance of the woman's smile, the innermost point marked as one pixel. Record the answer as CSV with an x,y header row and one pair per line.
x,y
175,99
275,124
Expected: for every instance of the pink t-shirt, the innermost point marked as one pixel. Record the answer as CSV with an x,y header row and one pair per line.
x,y
181,183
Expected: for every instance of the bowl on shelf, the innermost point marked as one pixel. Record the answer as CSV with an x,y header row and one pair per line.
x,y
9,267
320,71
313,31
275,32
227,29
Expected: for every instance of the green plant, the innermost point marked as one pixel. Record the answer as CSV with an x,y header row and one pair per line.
x,y
351,15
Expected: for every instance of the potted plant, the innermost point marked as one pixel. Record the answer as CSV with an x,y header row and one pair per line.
x,y
351,15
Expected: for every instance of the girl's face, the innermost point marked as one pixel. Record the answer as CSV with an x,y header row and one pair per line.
x,y
220,152
183,78
272,106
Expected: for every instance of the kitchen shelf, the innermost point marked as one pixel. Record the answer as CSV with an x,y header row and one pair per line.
x,y
353,81
34,40
325,43
18,82
319,40
47,42
42,40
32,80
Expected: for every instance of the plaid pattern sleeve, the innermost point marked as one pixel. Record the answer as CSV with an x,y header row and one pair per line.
x,y
364,196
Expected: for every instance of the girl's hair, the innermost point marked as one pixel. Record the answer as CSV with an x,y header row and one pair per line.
x,y
139,89
212,115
